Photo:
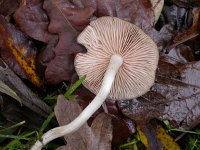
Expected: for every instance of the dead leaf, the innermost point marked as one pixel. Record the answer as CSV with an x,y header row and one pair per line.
x,y
48,54
157,6
174,96
189,34
6,90
155,137
187,3
98,136
64,23
166,140
32,20
18,52
7,7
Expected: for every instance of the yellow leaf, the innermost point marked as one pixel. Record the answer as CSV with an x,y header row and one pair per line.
x,y
26,63
166,140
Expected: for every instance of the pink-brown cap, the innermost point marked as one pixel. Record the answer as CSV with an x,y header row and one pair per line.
x,y
107,36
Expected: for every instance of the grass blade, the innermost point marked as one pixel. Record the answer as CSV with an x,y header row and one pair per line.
x,y
13,126
14,137
46,123
74,87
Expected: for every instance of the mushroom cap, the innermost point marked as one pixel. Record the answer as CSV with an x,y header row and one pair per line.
x,y
107,36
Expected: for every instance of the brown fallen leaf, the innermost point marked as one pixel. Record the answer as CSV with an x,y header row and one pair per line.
x,y
175,95
64,23
18,52
32,19
98,136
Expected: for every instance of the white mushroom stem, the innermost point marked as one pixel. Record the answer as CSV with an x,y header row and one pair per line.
x,y
113,67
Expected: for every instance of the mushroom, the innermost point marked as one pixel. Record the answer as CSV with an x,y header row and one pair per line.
x,y
120,63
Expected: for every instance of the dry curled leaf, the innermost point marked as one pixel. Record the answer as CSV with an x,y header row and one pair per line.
x,y
98,136
157,6
18,52
6,90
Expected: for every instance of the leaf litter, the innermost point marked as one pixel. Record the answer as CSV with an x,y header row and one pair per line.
x,y
56,24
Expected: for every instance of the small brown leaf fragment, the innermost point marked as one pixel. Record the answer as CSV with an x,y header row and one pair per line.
x,y
98,136
18,52
102,132
60,68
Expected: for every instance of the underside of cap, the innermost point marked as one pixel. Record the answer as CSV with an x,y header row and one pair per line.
x,y
107,36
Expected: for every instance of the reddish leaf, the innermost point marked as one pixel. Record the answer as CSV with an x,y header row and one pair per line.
x,y
33,20
7,7
64,21
18,52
